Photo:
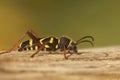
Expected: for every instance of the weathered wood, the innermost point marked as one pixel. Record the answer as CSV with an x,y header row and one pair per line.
x,y
89,64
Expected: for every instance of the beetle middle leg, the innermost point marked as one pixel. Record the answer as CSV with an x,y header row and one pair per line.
x,y
41,47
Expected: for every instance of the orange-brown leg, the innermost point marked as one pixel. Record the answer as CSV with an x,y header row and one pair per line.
x,y
30,33
42,46
70,54
65,53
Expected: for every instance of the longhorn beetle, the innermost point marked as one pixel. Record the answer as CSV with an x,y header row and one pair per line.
x,y
48,44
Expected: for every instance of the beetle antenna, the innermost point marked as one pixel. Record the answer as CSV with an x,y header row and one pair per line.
x,y
85,38
86,41
82,40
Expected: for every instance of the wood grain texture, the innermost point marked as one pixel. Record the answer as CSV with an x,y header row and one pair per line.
x,y
89,64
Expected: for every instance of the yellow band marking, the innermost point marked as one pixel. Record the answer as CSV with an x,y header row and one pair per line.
x,y
46,46
56,46
41,41
51,40
30,42
20,44
70,42
36,47
58,41
31,48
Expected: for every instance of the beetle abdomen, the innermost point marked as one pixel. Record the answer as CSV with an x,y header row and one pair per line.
x,y
50,44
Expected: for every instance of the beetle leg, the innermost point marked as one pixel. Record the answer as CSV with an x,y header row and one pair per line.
x,y
70,54
92,38
88,42
65,53
42,46
30,33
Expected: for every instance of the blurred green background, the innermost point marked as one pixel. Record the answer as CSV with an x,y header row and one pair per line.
x,y
74,18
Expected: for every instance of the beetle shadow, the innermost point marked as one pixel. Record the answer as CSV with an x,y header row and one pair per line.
x,y
78,53
104,54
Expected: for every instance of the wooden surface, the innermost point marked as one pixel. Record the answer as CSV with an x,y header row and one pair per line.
x,y
89,64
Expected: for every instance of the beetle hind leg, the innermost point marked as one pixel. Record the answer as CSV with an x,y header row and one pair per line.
x,y
30,33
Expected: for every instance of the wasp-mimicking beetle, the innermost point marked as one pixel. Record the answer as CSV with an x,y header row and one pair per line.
x,y
48,43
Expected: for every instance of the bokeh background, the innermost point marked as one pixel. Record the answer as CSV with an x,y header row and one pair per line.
x,y
74,18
